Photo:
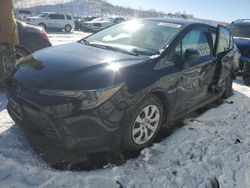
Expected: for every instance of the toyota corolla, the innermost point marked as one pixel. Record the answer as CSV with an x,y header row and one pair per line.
x,y
117,88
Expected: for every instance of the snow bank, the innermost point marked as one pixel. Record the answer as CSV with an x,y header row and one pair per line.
x,y
212,147
57,38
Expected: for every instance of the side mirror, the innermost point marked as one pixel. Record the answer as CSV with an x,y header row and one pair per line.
x,y
192,55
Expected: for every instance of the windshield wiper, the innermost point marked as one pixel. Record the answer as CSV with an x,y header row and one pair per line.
x,y
147,53
113,48
83,41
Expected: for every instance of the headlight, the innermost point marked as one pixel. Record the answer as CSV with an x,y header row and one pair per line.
x,y
90,98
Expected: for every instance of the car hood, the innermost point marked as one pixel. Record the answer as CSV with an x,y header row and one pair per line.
x,y
34,17
74,66
100,21
242,42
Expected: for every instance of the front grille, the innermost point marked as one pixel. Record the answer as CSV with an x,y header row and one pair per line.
x,y
36,124
40,122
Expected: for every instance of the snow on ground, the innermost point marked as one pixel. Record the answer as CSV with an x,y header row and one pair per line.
x,y
57,38
215,144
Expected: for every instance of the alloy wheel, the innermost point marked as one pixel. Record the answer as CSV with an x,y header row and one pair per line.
x,y
145,124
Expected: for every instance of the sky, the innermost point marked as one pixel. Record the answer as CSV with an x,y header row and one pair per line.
x,y
220,10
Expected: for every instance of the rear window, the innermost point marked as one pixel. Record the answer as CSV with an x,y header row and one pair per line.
x,y
240,30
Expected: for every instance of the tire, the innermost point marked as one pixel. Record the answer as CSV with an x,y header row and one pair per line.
x,y
246,79
20,53
134,138
246,74
67,28
42,25
229,87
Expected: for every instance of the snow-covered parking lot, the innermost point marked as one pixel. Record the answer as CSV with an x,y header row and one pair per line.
x,y
213,147
57,38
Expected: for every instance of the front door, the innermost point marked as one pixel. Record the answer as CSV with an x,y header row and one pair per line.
x,y
198,64
225,56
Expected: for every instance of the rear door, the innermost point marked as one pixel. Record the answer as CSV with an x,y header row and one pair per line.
x,y
61,21
52,21
198,64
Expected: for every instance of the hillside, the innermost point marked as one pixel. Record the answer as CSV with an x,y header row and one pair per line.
x,y
83,8
97,8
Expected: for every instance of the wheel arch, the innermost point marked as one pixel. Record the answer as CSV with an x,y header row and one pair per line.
x,y
40,23
163,98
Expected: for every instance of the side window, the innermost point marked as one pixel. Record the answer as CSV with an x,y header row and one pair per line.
x,y
24,12
52,16
56,16
197,39
225,40
68,17
197,43
60,17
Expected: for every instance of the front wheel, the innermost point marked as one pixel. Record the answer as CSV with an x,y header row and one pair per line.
x,y
144,125
68,28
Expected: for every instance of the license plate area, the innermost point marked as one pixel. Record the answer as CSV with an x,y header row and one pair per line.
x,y
16,109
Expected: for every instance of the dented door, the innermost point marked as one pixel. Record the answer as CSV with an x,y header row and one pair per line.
x,y
198,67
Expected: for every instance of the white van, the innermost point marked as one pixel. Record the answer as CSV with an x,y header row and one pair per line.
x,y
53,20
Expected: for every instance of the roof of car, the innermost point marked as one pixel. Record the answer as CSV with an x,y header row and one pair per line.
x,y
240,24
174,20
241,21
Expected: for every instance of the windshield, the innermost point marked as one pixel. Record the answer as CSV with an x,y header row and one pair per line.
x,y
146,36
98,19
240,30
42,15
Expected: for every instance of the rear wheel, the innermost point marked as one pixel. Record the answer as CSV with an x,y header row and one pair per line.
x,y
68,28
144,125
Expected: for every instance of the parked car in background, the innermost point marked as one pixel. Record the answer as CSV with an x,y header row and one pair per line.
x,y
77,22
22,14
241,32
102,23
120,86
86,19
32,38
49,20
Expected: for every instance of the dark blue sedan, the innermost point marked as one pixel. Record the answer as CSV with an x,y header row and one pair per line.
x,y
117,89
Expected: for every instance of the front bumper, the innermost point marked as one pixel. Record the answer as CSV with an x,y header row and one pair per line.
x,y
67,138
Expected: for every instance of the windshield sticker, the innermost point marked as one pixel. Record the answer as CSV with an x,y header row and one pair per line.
x,y
169,24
